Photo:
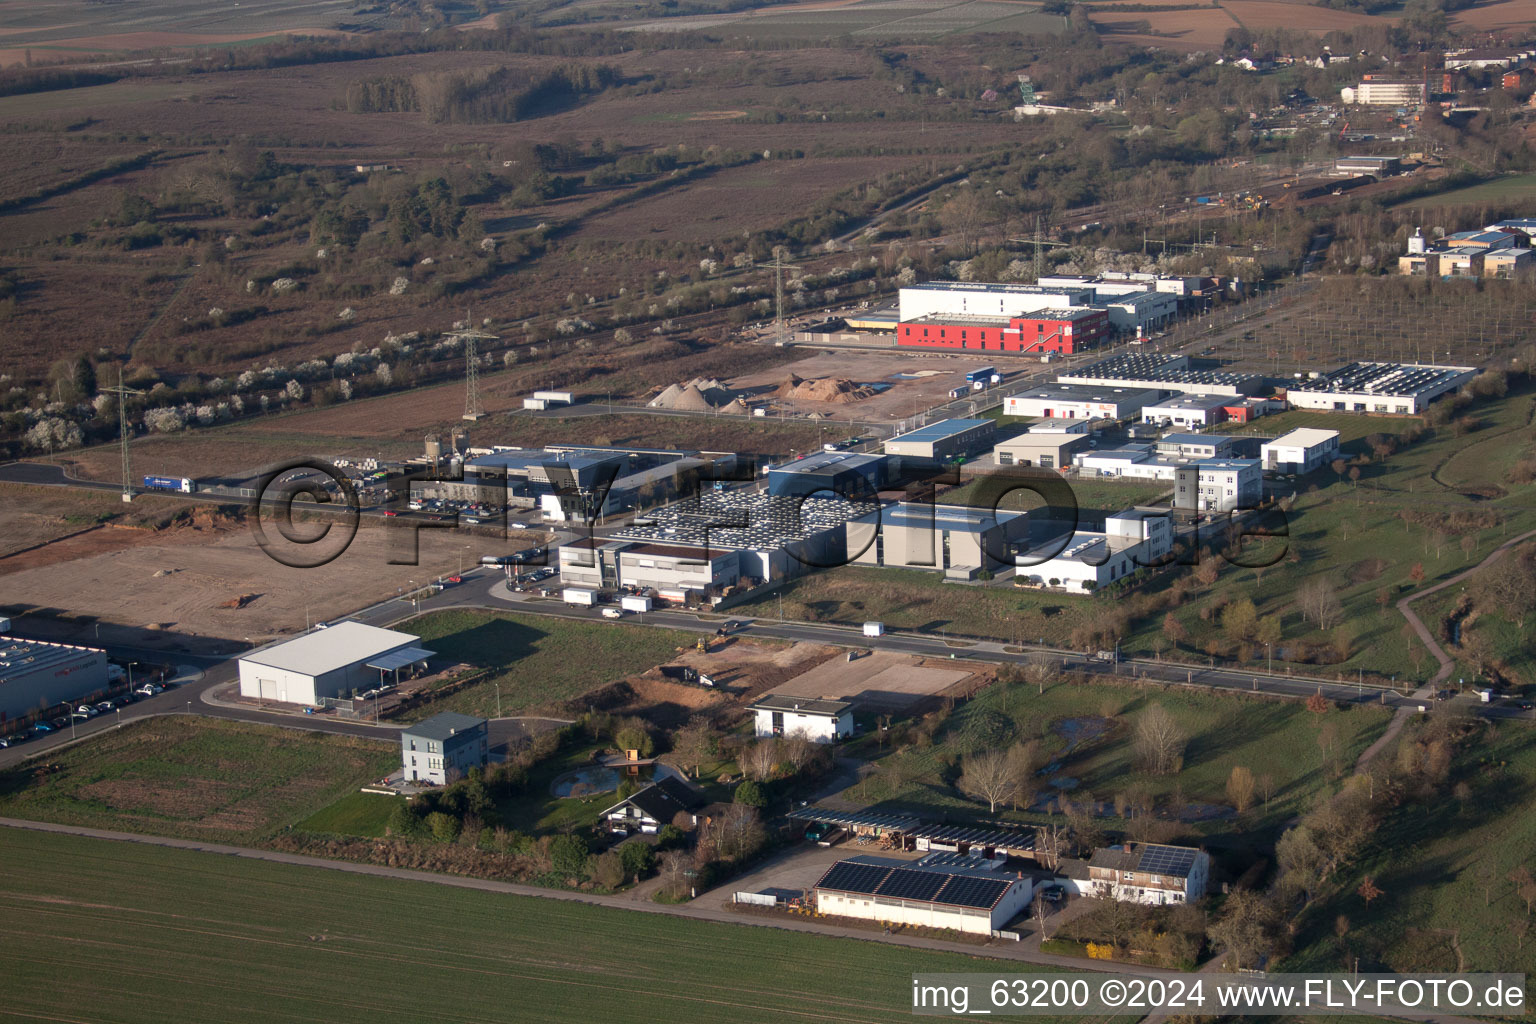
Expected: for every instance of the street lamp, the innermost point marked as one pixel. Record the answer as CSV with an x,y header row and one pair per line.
x,y
1269,652
498,698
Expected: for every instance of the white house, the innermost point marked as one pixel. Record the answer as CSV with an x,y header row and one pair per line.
x,y
822,721
1300,451
646,811
1149,873
1219,485
977,901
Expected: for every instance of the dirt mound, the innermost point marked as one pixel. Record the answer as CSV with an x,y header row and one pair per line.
x,y
702,394
840,390
735,407
787,389
240,601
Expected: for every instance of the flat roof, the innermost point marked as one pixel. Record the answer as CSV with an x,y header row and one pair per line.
x,y
23,657
325,650
672,551
1386,379
996,286
1218,440
803,705
961,518
1304,437
826,460
400,659
1207,402
443,725
1091,393
744,520
941,430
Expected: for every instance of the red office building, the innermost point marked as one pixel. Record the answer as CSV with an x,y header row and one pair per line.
x,y
1060,331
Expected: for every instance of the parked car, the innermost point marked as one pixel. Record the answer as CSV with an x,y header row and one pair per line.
x,y
148,690
518,526
105,706
88,710
41,728
6,741
59,723
1052,893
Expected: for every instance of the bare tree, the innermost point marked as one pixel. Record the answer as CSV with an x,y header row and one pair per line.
x,y
1249,928
694,744
1240,787
987,775
1024,760
1318,601
1159,741
758,759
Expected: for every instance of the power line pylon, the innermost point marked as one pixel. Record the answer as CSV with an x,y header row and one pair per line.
x,y
122,392
778,291
471,337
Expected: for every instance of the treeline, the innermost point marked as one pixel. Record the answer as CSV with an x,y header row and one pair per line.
x,y
500,96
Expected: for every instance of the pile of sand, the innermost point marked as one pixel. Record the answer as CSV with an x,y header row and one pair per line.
x,y
702,394
839,390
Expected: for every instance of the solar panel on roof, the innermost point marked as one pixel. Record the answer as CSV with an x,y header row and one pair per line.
x,y
848,877
907,884
971,891
1166,860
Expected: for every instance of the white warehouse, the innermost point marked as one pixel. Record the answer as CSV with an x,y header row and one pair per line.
x,y
973,900
1134,539
329,662
1402,388
1300,451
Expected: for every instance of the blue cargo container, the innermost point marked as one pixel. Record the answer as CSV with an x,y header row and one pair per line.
x,y
985,373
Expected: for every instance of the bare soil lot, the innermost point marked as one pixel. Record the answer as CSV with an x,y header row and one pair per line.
x,y
930,378
173,582
882,681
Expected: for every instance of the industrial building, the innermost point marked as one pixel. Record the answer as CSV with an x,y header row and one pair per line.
x,y
1300,451
943,440
1149,873
328,663
821,721
1379,387
976,298
1218,485
977,900
1134,539
772,535
574,482
1496,251
36,675
443,749
1046,449
1376,166
1060,331
1206,446
679,575
1163,373
1140,313
1385,91
955,539
849,474
1081,401
1187,411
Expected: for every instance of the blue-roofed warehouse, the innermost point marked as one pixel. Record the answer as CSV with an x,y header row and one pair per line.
x,y
944,440
853,475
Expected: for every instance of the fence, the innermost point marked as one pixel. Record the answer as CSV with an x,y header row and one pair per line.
x,y
757,899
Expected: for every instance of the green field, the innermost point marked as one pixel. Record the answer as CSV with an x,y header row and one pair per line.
x,y
199,778
1278,739
153,935
539,660
1511,188
918,600
356,814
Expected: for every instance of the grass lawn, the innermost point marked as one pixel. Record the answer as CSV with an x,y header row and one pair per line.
x,y
1278,739
165,935
1110,495
913,599
544,660
1367,536
1502,190
199,778
356,814
1443,869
